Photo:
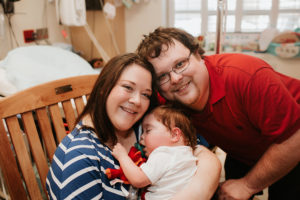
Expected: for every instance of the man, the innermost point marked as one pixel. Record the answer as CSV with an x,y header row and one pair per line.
x,y
238,103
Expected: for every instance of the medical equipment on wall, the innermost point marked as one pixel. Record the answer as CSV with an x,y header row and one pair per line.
x,y
73,13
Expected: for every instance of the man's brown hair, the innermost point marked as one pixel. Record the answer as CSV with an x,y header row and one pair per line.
x,y
151,45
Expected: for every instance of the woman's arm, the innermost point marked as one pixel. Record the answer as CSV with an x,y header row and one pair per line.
x,y
206,180
133,173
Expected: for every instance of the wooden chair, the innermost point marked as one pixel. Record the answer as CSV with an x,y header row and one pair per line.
x,y
33,122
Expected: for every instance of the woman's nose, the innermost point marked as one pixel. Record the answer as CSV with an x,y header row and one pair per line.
x,y
135,99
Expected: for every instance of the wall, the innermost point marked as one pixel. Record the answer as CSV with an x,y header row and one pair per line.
x,y
29,14
129,26
141,19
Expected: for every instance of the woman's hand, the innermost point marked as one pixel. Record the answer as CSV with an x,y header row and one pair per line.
x,y
119,151
206,180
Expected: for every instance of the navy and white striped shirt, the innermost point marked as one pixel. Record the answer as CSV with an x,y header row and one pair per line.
x,y
78,169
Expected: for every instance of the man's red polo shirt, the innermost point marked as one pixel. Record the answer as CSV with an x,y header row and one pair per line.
x,y
250,106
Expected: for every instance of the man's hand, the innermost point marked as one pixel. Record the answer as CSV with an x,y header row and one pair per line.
x,y
119,151
234,189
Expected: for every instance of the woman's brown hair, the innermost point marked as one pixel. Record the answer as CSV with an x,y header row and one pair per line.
x,y
96,104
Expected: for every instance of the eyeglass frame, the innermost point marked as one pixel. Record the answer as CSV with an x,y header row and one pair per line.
x,y
187,59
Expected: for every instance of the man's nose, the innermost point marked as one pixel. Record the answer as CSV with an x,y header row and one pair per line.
x,y
174,77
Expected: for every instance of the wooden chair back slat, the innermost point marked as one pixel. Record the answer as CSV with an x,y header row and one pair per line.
x,y
69,114
79,104
36,147
58,122
24,160
10,168
46,131
31,127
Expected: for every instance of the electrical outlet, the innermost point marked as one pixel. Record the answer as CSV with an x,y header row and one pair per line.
x,y
42,34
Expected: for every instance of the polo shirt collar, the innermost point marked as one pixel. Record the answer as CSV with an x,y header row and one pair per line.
x,y
216,81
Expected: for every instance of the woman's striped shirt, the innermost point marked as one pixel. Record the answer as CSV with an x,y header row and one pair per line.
x,y
78,169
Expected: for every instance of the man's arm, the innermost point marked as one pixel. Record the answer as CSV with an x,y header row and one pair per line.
x,y
205,182
275,163
133,173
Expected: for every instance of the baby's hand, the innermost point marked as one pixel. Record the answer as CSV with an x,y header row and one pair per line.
x,y
119,151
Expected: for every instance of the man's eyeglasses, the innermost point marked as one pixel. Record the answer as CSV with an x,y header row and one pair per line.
x,y
178,68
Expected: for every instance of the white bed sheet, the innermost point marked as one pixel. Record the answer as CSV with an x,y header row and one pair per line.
x,y
28,66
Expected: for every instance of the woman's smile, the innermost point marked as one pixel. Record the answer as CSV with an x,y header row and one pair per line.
x,y
128,110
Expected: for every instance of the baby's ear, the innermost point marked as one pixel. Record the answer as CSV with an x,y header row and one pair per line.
x,y
176,134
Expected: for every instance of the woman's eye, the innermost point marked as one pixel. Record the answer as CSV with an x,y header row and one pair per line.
x,y
147,95
127,87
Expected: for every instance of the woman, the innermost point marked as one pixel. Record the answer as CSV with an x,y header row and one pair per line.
x,y
120,97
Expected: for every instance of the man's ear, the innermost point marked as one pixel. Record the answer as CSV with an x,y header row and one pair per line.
x,y
197,55
176,134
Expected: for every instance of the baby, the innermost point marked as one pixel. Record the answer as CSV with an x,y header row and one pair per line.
x,y
169,139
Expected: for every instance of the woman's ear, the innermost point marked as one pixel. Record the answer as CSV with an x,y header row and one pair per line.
x,y
176,134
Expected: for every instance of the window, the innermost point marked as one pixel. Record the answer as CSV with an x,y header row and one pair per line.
x,y
199,17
